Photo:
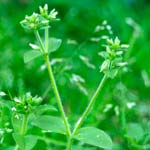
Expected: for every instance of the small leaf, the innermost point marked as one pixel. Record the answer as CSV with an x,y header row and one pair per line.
x,y
103,54
95,137
85,60
112,73
50,124
105,65
30,141
2,93
19,140
28,56
134,131
44,108
33,46
54,44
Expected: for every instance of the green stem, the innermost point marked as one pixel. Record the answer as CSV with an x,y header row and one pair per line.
x,y
24,124
86,112
51,76
69,144
46,40
23,128
37,35
90,105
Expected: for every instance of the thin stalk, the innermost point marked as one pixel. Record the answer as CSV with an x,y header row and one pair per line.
x,y
24,124
59,102
47,39
52,79
69,144
90,105
37,35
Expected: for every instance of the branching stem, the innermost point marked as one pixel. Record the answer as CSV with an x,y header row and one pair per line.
x,y
52,78
87,110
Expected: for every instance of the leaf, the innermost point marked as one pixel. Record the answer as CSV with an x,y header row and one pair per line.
x,y
28,56
19,140
30,141
34,46
112,73
44,108
2,93
103,54
8,147
105,65
50,124
85,60
54,44
16,122
134,131
95,137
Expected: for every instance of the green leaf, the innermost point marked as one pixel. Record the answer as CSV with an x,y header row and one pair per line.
x,y
103,54
19,140
28,56
16,122
86,61
30,141
50,124
134,131
95,137
44,108
112,73
34,46
105,65
54,44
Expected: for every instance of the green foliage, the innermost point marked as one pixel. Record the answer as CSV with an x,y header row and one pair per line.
x,y
50,124
122,108
113,57
94,136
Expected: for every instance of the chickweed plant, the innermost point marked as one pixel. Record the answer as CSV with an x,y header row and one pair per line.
x,y
28,112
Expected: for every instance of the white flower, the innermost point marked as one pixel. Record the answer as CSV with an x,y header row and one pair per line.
x,y
13,109
131,104
53,14
17,100
2,93
107,107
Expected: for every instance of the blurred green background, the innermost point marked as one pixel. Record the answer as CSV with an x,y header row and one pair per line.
x,y
129,20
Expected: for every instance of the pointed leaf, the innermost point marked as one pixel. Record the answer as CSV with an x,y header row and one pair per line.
x,y
103,54
95,137
28,56
30,141
54,44
19,140
134,131
34,46
50,124
86,61
44,108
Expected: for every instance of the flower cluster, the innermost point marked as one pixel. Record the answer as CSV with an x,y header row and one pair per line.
x,y
40,20
113,57
26,104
